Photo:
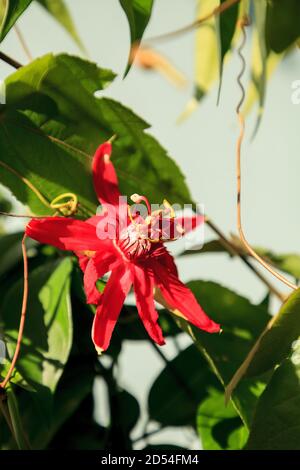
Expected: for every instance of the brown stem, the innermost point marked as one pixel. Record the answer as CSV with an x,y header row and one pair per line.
x,y
10,61
190,27
246,244
233,250
22,320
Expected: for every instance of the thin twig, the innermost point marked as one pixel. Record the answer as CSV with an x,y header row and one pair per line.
x,y
233,251
23,42
23,216
147,434
246,244
27,182
23,317
10,61
190,27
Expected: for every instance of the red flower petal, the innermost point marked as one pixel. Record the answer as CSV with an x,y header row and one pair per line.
x,y
97,266
167,261
189,223
111,304
65,234
143,284
180,298
90,278
104,175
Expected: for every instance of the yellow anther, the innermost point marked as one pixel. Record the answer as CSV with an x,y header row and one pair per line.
x,y
136,198
130,215
89,253
169,207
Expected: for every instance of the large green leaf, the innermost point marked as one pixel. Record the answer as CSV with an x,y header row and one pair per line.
x,y
179,388
58,94
276,343
219,426
277,417
17,425
206,68
10,10
47,336
138,14
76,383
282,26
241,323
59,10
80,431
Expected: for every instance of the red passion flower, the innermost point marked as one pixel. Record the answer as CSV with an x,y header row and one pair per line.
x,y
130,247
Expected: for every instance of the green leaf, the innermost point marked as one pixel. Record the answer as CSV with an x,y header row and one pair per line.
x,y
241,324
179,388
47,336
219,426
259,66
10,11
138,14
16,420
80,431
276,343
272,62
74,386
58,94
282,25
129,411
226,23
16,378
59,10
276,420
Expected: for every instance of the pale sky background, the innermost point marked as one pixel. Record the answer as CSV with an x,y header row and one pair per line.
x,y
203,146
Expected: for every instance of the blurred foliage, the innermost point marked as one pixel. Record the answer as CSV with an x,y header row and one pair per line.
x,y
273,33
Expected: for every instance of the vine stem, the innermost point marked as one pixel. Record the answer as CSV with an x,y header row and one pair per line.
x,y
245,364
233,251
27,183
190,27
244,22
23,42
22,319
12,62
